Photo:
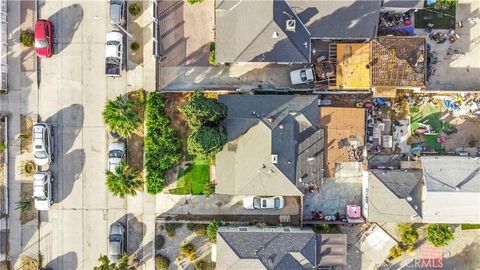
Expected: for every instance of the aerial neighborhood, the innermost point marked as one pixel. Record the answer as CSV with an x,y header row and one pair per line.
x,y
240,134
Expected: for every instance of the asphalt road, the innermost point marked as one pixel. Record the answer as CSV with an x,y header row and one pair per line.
x,y
72,93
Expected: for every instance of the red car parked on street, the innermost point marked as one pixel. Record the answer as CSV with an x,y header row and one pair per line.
x,y
44,38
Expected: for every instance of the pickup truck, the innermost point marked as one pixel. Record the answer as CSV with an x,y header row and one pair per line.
x,y
302,76
114,54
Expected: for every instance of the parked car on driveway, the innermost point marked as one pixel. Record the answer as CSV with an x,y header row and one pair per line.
x,y
44,38
302,76
42,190
117,12
253,202
114,54
116,153
42,134
116,242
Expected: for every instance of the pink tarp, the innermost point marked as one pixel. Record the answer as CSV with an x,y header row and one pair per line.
x,y
353,211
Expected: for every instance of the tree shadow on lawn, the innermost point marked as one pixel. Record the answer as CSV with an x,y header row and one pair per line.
x,y
192,179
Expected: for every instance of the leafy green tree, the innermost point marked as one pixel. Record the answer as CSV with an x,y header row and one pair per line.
x,y
200,111
206,141
27,38
439,234
120,116
212,229
105,264
409,234
123,181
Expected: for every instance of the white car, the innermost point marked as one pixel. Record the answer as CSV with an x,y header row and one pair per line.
x,y
253,202
42,190
114,54
116,153
116,242
302,76
42,137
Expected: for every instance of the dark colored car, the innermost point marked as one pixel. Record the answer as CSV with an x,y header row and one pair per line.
x,y
44,38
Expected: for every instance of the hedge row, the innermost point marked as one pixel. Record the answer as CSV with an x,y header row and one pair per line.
x,y
162,144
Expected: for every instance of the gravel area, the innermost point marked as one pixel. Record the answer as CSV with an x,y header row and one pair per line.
x,y
171,247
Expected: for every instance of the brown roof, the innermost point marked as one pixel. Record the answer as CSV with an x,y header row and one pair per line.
x,y
340,123
399,61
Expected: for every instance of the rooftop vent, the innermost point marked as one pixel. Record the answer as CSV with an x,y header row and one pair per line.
x,y
275,35
243,229
270,119
274,158
290,25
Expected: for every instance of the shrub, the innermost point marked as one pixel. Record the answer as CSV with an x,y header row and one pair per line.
x,y
191,2
409,234
134,9
134,46
122,264
23,136
211,57
28,263
200,110
170,229
209,189
212,229
395,252
159,241
189,250
2,147
322,228
204,265
28,168
161,262
25,204
199,229
439,234
27,38
162,144
207,141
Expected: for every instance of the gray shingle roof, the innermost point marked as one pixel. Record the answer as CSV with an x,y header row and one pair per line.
x,y
403,3
255,31
451,174
292,122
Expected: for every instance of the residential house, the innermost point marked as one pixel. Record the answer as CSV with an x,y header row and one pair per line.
x,y
278,248
445,190
275,146
282,31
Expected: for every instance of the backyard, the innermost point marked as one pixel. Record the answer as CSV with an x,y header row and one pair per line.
x,y
440,16
428,115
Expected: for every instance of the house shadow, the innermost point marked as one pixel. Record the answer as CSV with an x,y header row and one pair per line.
x,y
67,261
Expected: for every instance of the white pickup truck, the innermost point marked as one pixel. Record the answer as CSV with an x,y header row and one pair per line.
x,y
114,54
302,76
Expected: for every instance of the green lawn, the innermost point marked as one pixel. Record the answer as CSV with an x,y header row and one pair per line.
x,y
429,115
193,179
470,226
441,19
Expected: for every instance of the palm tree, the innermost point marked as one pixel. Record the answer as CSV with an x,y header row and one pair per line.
x,y
120,117
123,181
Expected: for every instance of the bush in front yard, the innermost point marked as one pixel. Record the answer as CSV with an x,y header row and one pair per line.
x,y
439,235
191,2
189,250
209,189
161,262
409,234
204,265
134,9
134,46
207,141
211,57
212,230
162,144
395,252
159,241
26,38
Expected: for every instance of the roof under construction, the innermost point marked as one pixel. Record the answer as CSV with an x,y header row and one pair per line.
x,y
352,62
399,61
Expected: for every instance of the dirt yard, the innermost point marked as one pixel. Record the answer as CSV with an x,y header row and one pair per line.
x,y
173,101
26,191
26,125
136,141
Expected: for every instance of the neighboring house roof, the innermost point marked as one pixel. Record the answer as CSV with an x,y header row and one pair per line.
x,y
408,4
263,128
452,185
255,31
446,190
399,61
340,123
352,70
275,248
388,192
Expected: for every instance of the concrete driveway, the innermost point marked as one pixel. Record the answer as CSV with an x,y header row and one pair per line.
x,y
168,204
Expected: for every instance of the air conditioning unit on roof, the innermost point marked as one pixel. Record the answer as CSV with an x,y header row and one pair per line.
x,y
290,25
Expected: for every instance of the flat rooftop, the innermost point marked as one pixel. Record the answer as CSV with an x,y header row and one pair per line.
x,y
352,62
340,123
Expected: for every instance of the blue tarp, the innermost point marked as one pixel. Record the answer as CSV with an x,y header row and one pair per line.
x,y
431,2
